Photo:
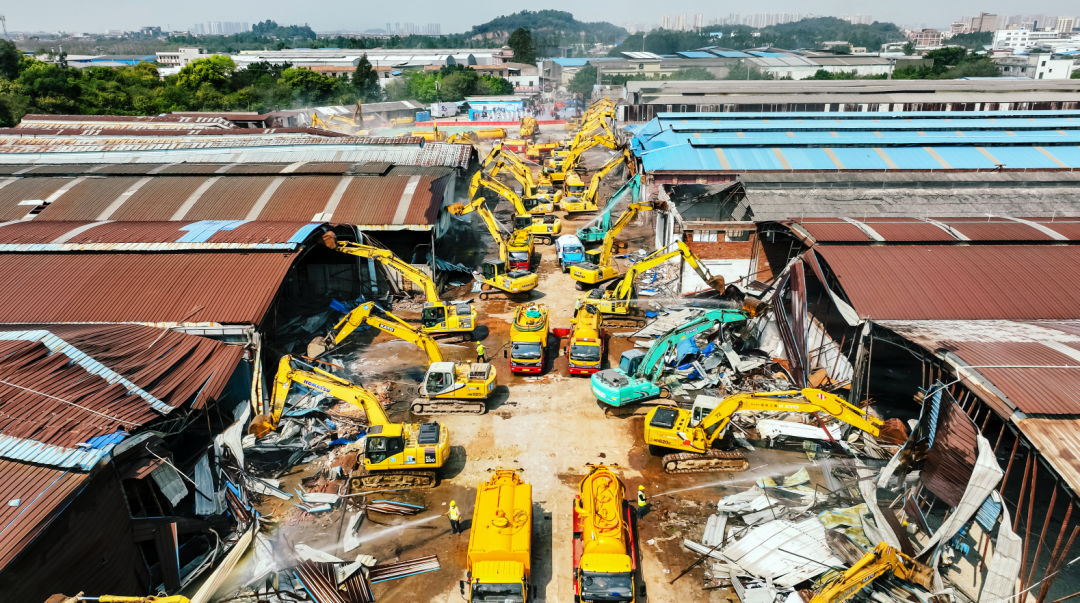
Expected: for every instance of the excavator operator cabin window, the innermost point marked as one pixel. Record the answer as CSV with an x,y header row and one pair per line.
x,y
438,382
381,448
433,315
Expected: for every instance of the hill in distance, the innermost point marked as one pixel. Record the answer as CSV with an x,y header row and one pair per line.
x,y
546,23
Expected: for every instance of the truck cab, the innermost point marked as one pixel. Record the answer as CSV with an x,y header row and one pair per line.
x,y
569,250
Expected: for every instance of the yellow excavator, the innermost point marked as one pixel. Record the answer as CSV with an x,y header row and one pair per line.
x,y
541,226
466,137
576,198
529,127
873,565
670,427
557,167
353,125
620,298
601,105
539,194
397,455
447,387
509,272
437,317
601,265
598,122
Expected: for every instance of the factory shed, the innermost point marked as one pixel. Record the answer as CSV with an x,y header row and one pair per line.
x,y
949,282
71,397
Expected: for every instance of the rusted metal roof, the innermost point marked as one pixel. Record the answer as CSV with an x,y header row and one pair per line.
x,y
35,236
40,492
910,230
1057,441
229,288
994,229
907,229
408,197
970,282
833,230
951,458
161,121
1032,366
57,130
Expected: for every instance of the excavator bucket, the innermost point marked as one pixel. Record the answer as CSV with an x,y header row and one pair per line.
x,y
330,239
717,283
456,209
260,426
754,306
922,575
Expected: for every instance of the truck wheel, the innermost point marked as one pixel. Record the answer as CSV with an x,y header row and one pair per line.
x,y
665,392
580,285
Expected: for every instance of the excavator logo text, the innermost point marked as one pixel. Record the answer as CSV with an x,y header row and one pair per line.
x,y
321,388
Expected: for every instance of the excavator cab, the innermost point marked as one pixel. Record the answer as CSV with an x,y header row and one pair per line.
x,y
384,442
523,222
493,269
630,361
433,315
439,379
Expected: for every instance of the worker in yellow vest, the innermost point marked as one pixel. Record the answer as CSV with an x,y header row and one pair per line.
x,y
642,502
480,355
455,518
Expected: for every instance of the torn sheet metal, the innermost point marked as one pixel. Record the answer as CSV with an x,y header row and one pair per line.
x,y
351,539
319,582
208,501
715,528
772,428
984,479
1000,581
265,485
307,553
224,569
170,482
784,551
848,521
802,476
881,530
358,589
402,569
849,313
233,435
393,507
799,359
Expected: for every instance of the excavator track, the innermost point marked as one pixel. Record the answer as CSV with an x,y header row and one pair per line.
x,y
497,294
362,481
427,406
713,460
615,321
452,337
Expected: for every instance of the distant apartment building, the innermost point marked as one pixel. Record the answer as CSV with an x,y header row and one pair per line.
x,y
984,22
927,37
1038,66
414,29
1022,39
859,19
1065,24
959,27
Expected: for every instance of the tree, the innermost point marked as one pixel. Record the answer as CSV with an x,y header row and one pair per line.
x,y
1075,75
215,70
521,42
909,48
583,81
743,71
366,81
10,60
308,86
489,85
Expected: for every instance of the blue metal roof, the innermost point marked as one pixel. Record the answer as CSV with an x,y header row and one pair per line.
x,y
767,54
879,115
731,54
571,62
695,55
1003,123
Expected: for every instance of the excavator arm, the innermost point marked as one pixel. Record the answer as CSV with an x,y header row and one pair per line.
x,y
479,180
477,205
807,400
872,566
594,184
625,288
388,259
608,245
517,167
319,380
364,314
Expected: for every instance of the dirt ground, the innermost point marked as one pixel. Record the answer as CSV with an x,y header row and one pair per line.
x,y
548,425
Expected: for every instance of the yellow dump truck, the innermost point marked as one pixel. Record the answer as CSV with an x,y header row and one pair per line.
x,y
500,541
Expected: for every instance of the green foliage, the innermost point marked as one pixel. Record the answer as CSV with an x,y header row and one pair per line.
x,y
949,63
270,29
10,60
909,48
822,74
974,41
1075,75
309,88
366,81
455,82
522,44
549,22
744,71
841,49
583,81
489,85
214,70
689,73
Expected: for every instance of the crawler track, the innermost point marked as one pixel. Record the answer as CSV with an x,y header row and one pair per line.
x,y
427,406
379,480
713,460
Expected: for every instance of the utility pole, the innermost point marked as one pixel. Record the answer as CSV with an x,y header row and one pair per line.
x,y
3,21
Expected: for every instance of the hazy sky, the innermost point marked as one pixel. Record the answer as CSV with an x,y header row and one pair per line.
x,y
325,15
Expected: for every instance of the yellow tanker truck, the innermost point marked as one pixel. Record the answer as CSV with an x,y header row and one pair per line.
x,y
605,542
500,541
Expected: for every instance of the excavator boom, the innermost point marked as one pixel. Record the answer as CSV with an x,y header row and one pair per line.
x,y
873,565
390,260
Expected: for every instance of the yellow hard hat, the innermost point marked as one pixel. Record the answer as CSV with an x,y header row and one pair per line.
x,y
453,503
641,487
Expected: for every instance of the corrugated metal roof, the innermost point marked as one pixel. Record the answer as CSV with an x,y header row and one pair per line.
x,y
951,458
40,491
160,121
141,130
1032,365
944,282
35,236
1057,441
823,229
238,193
229,288
956,229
